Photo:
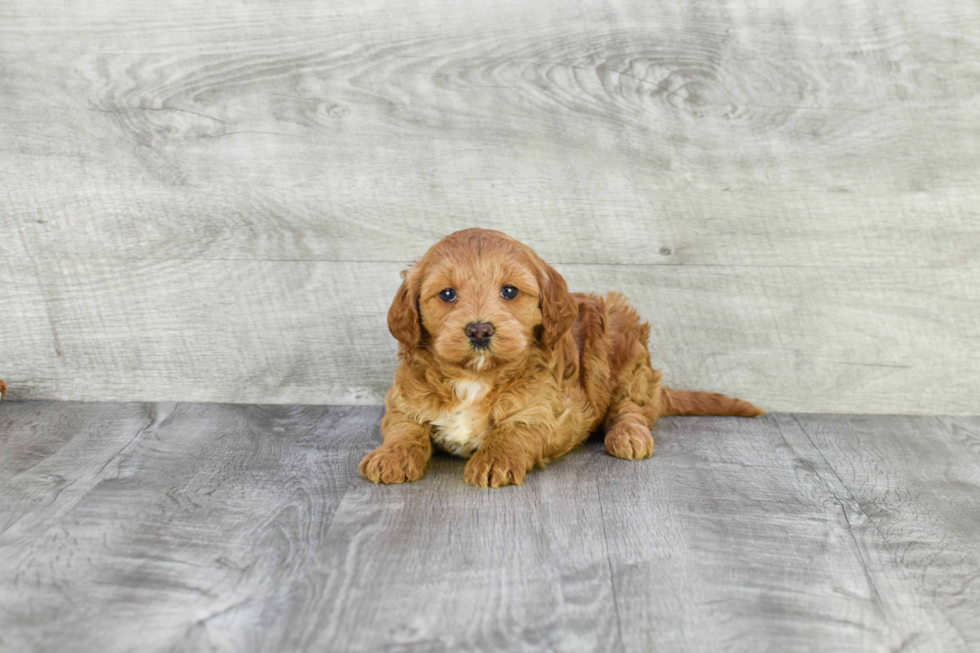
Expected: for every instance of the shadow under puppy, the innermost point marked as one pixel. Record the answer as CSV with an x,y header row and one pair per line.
x,y
501,364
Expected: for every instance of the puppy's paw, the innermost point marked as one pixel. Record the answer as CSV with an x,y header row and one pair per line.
x,y
494,468
394,464
630,441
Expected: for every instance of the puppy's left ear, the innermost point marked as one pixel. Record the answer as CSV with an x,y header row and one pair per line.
x,y
558,308
403,316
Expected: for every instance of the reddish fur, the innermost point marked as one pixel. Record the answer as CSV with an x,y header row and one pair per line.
x,y
561,365
3,389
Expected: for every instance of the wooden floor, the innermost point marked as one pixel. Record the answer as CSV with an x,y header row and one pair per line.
x,y
170,527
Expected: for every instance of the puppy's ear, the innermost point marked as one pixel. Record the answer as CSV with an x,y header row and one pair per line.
x,y
403,316
558,308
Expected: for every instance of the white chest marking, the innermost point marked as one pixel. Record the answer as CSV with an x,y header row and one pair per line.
x,y
461,429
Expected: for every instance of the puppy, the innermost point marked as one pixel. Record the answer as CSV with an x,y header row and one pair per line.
x,y
501,364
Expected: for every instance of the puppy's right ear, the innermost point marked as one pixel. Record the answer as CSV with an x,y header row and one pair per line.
x,y
403,316
558,308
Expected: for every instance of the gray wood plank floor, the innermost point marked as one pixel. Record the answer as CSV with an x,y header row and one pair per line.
x,y
179,527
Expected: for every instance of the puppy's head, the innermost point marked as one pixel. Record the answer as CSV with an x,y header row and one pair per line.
x,y
479,299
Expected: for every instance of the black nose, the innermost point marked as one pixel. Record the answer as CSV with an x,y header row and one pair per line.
x,y
479,333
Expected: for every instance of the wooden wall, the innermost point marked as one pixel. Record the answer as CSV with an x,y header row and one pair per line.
x,y
212,200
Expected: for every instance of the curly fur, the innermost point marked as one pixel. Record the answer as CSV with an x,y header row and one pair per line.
x,y
560,365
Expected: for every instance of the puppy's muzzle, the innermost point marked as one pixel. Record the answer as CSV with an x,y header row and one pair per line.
x,y
479,334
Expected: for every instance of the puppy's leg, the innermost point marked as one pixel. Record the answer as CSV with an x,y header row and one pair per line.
x,y
628,435
406,451
505,458
632,414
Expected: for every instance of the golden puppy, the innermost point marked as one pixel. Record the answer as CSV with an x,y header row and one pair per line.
x,y
499,363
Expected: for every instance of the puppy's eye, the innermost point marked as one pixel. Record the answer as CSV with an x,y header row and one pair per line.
x,y
448,295
508,292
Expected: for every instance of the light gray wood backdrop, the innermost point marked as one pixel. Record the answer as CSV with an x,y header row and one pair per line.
x,y
212,200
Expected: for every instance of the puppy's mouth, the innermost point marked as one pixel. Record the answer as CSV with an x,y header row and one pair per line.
x,y
481,356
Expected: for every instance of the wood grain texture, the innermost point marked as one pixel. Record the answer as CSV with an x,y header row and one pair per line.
x,y
53,454
259,152
209,514
739,535
495,571
808,336
923,502
188,527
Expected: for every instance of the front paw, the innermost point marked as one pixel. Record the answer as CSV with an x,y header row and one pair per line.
x,y
394,464
490,468
630,441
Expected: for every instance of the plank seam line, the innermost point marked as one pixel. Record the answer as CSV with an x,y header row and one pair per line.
x,y
97,474
879,604
354,477
128,444
895,555
839,479
605,538
357,455
244,259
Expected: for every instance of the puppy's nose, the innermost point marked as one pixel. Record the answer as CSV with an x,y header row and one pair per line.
x,y
479,332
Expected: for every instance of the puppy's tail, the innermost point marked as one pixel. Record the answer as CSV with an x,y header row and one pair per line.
x,y
681,402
